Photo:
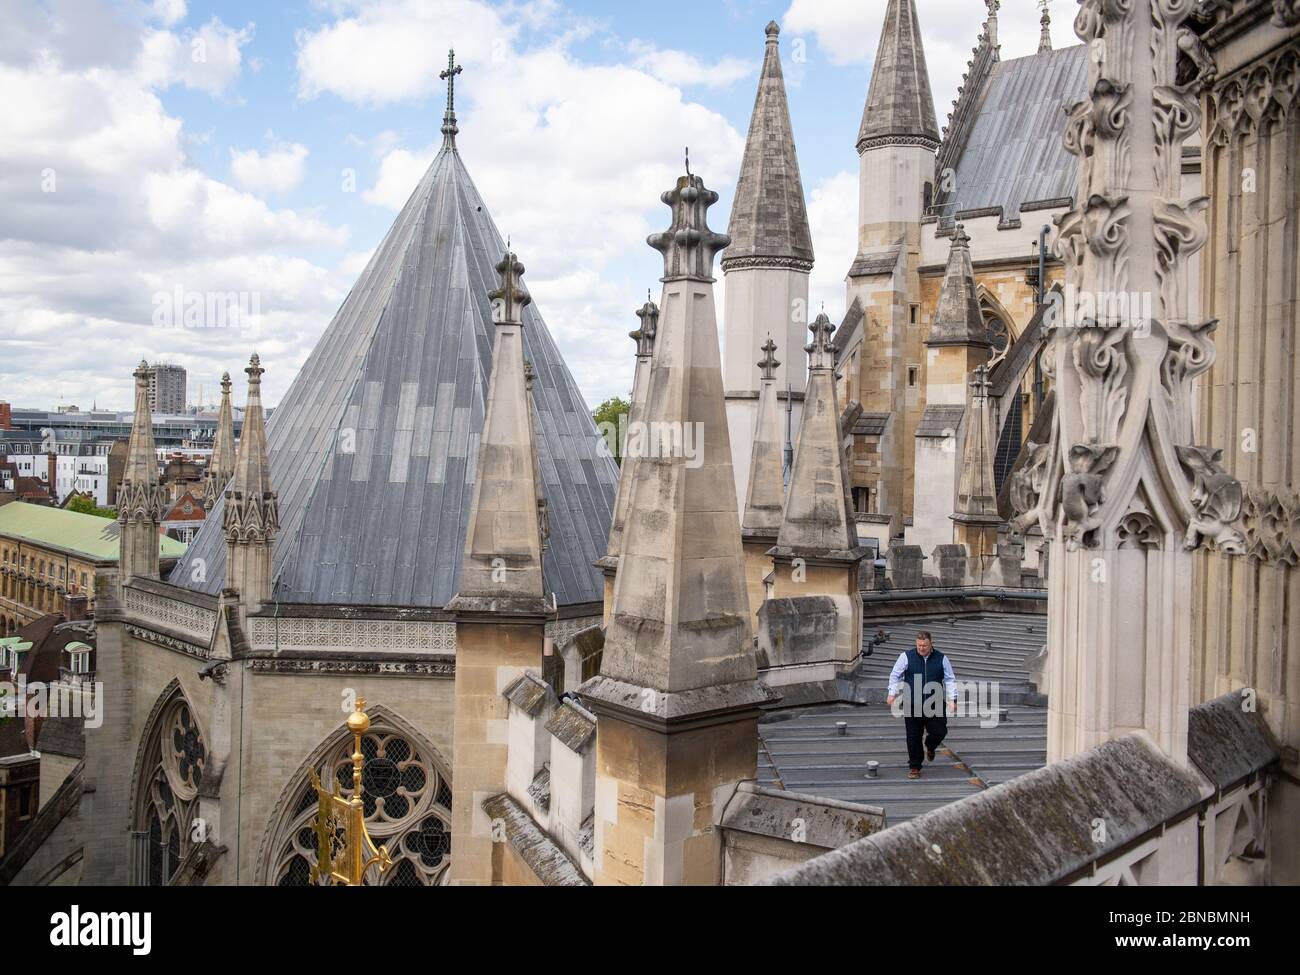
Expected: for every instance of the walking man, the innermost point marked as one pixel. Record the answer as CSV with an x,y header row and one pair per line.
x,y
920,681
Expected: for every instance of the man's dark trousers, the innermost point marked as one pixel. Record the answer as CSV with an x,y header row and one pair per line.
x,y
934,729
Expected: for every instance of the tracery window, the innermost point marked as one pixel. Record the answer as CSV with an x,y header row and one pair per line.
x,y
167,803
407,802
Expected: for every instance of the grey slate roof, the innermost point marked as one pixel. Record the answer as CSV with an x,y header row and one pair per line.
x,y
940,420
1013,154
768,216
899,102
373,448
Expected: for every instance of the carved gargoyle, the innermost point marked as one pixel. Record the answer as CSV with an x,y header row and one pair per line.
x,y
1216,498
1082,490
1026,487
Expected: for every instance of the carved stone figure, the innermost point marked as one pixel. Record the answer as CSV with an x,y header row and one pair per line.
x,y
1216,498
1082,489
1027,487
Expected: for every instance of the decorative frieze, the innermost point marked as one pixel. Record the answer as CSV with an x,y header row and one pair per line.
x,y
173,614
381,668
379,636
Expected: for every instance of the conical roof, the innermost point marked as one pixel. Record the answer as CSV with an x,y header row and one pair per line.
x,y
769,222
900,108
373,448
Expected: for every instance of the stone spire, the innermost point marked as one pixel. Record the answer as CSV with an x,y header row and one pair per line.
x,y
1045,36
222,463
251,516
766,495
818,515
449,127
502,568
678,652
976,513
140,500
644,337
957,318
900,108
769,222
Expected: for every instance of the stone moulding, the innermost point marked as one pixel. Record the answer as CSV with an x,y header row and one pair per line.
x,y
379,668
881,141
765,263
380,636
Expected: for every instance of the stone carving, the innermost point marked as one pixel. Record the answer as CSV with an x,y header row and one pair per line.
x,y
689,246
1271,525
1265,95
1083,490
1027,485
1138,529
1286,13
1216,498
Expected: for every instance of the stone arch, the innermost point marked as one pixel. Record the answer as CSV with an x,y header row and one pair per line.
x,y
169,765
409,811
1000,322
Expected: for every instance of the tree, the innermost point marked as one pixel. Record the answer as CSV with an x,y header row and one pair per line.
x,y
84,505
609,422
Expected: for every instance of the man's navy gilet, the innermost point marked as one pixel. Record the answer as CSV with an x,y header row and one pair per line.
x,y
920,673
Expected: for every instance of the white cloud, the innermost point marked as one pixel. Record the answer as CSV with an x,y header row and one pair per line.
x,y
380,52
275,171
170,12
833,222
680,68
399,171
207,59
100,210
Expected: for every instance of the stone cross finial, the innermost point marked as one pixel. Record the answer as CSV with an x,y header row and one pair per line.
x,y
509,299
769,363
225,382
1045,37
689,246
449,128
254,370
644,334
959,236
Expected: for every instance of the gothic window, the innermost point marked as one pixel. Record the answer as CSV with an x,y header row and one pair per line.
x,y
167,800
407,802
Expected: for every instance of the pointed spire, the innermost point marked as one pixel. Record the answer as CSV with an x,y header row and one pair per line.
x,y
765,496
449,127
957,318
140,499
502,568
679,623
976,491
769,221
900,108
818,514
644,337
221,465
1045,37
251,516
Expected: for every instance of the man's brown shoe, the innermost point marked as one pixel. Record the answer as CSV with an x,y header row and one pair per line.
x,y
914,773
929,754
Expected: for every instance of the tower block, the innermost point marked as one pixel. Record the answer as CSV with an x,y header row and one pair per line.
x,y
678,697
500,608
817,551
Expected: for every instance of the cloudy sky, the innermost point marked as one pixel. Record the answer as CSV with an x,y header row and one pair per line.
x,y
155,148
